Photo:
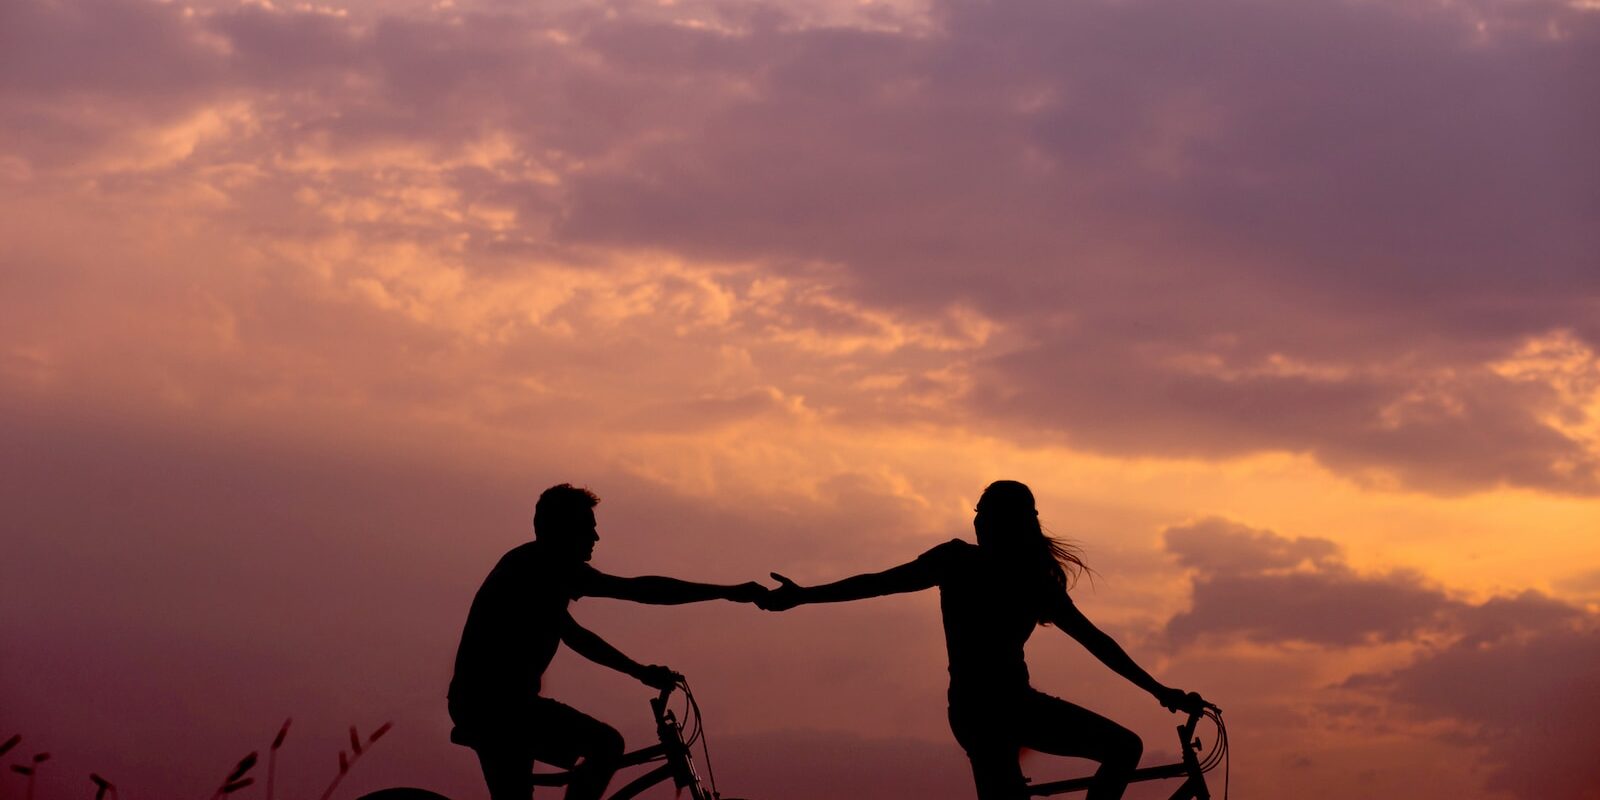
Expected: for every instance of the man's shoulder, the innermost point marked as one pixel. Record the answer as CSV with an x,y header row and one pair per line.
x,y
529,561
523,556
532,562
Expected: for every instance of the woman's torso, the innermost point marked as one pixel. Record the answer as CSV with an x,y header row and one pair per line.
x,y
989,611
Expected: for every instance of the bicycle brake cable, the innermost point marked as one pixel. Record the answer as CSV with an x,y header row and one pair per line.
x,y
705,741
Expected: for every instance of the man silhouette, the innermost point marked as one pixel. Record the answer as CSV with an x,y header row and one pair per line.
x,y
518,618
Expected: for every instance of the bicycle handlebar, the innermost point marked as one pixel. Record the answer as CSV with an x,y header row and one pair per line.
x,y
659,704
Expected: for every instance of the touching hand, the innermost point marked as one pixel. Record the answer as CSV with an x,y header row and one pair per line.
x,y
750,592
659,678
783,598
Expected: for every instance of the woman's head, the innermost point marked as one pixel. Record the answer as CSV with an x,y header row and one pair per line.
x,y
1006,514
1007,523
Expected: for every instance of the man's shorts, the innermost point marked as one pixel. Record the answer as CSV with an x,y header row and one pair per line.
x,y
552,732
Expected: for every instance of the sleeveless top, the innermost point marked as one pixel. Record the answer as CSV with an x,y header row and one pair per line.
x,y
988,616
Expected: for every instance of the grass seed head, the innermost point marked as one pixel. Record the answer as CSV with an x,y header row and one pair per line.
x,y
277,741
241,768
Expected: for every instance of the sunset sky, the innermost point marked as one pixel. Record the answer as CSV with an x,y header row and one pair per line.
x,y
1289,312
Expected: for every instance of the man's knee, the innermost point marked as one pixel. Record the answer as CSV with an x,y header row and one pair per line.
x,y
605,745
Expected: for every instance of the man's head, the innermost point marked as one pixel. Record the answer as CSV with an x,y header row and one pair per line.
x,y
563,519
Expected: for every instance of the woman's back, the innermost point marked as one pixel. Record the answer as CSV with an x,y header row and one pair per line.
x,y
989,611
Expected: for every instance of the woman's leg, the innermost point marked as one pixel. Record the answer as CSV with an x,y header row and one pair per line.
x,y
1052,725
981,728
997,774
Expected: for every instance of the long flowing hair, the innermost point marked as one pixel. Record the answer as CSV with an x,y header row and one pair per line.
x,y
1049,564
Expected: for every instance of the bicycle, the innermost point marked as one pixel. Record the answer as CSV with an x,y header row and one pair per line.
x,y
673,749
1191,768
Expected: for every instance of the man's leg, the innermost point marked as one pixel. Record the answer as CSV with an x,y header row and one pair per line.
x,y
601,759
569,738
508,771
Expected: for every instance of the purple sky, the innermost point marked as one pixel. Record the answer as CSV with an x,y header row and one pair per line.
x,y
1287,311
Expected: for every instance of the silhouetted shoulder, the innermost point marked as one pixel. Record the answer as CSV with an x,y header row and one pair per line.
x,y
946,558
529,567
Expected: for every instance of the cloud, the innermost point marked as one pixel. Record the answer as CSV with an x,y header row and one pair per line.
x,y
1147,229
1217,545
1513,675
1528,696
1171,226
1273,589
1465,429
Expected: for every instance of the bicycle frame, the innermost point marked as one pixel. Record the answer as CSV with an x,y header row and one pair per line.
x,y
678,766
672,750
1193,787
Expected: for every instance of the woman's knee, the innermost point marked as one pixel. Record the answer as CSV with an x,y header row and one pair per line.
x,y
1126,747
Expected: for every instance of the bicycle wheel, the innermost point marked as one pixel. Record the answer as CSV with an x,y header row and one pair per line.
x,y
403,793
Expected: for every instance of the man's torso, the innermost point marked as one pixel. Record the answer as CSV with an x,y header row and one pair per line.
x,y
515,625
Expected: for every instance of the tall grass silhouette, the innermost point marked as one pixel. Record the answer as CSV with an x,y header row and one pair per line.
x,y
29,770
346,761
272,755
102,786
237,779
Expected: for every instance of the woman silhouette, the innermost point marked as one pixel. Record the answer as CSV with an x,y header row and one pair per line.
x,y
991,596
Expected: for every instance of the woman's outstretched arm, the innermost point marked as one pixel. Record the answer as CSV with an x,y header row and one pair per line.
x,y
1072,622
909,577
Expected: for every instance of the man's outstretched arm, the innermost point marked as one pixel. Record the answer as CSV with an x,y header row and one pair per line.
x,y
670,591
586,643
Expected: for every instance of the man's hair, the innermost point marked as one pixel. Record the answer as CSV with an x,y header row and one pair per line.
x,y
559,506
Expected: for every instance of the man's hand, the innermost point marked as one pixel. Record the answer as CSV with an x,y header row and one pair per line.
x,y
750,592
659,678
1179,700
783,598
